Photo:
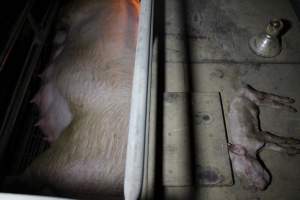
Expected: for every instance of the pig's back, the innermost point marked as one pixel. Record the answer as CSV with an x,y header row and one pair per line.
x,y
93,74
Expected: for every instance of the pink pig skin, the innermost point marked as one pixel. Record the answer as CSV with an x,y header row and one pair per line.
x,y
85,102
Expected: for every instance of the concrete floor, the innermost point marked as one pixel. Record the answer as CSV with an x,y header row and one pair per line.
x,y
220,60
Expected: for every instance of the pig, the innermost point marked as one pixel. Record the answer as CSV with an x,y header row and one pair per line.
x,y
247,138
84,102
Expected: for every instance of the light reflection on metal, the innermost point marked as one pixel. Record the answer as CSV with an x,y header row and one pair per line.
x,y
268,44
139,105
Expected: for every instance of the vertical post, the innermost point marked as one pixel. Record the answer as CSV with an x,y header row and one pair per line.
x,y
138,113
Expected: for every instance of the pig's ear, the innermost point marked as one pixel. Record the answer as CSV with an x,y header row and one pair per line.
x,y
237,149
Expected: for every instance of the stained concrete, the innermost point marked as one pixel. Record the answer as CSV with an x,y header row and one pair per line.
x,y
219,30
281,79
211,160
219,62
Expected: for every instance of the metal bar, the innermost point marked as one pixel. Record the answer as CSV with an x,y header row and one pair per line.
x,y
14,34
8,196
139,104
22,86
150,141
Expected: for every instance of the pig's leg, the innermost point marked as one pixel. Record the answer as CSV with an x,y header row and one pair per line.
x,y
60,36
58,117
279,148
47,73
268,99
59,42
270,137
54,111
43,98
58,50
58,47
281,144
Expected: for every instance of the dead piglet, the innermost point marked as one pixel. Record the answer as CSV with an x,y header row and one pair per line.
x,y
248,139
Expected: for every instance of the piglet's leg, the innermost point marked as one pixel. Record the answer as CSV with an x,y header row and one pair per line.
x,y
281,144
59,41
284,149
268,99
286,141
54,111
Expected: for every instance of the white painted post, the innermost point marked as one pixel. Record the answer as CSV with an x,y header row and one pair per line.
x,y
138,113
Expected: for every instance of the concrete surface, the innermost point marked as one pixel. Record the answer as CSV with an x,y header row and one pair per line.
x,y
219,61
219,30
211,160
282,79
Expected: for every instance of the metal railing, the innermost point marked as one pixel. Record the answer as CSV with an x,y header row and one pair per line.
x,y
139,104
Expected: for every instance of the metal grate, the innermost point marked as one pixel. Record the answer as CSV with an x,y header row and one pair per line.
x,y
24,56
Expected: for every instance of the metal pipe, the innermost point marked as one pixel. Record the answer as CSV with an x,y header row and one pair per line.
x,y
138,113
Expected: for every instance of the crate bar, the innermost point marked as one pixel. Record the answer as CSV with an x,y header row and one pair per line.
x,y
139,104
24,80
